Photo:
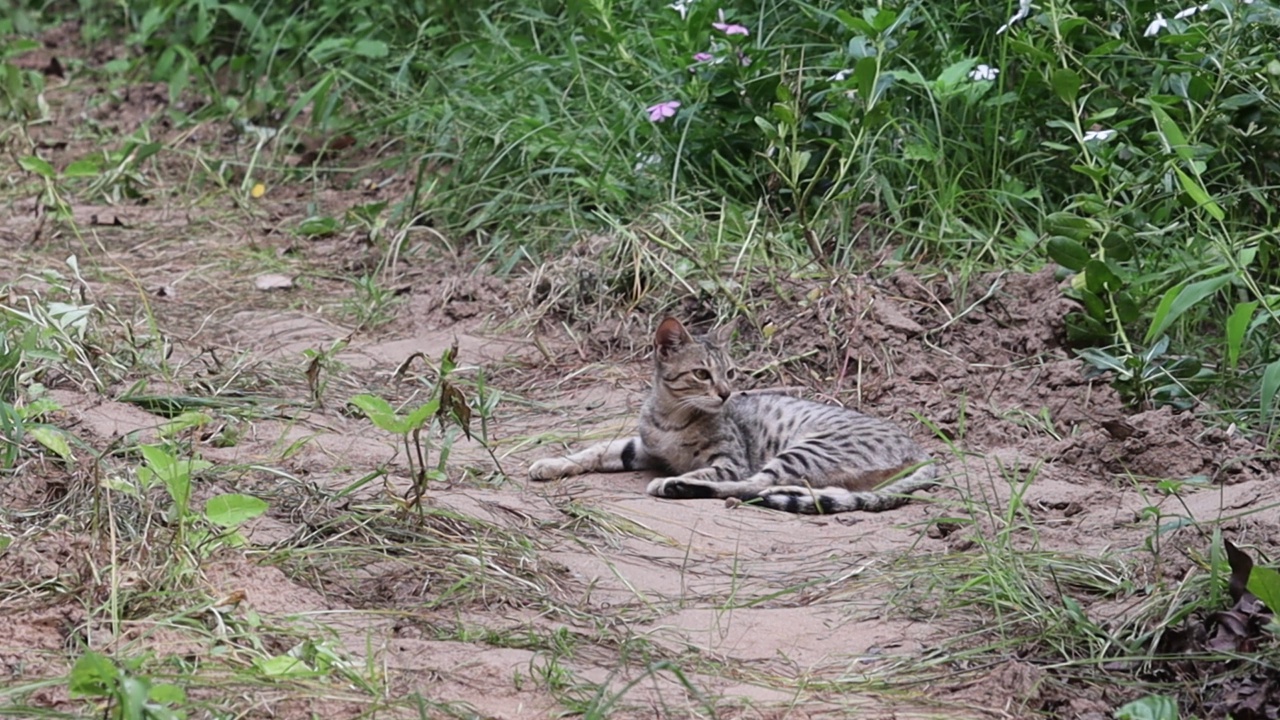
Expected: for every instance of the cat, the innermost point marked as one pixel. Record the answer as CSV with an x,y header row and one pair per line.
x,y
766,448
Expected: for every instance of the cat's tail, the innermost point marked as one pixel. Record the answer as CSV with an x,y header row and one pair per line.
x,y
823,501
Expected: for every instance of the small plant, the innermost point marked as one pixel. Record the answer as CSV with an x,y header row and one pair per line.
x,y
128,695
162,466
445,413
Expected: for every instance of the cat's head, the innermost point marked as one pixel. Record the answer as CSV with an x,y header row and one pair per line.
x,y
695,371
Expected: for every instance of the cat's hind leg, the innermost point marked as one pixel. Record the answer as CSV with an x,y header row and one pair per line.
x,y
613,456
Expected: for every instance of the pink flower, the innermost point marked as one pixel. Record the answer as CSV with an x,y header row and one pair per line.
x,y
662,111
730,28
703,57
743,59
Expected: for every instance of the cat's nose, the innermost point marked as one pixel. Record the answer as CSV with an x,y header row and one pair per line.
x,y
724,392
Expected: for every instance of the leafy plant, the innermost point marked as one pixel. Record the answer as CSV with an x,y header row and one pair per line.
x,y
445,413
129,695
162,466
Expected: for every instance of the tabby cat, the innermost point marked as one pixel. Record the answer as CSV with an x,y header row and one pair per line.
x,y
767,448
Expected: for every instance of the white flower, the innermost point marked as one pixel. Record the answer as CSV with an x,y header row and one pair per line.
x,y
682,7
840,76
984,72
1190,11
1024,7
1156,26
1099,135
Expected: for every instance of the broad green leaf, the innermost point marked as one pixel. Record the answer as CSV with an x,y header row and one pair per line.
x,y
53,439
281,666
1201,196
81,168
1099,277
883,20
1071,225
1068,253
232,509
783,114
1066,83
1264,582
422,413
1151,707
132,698
865,73
1096,173
380,413
1237,328
370,48
955,73
94,675
167,694
1270,383
1093,305
1180,299
37,166
1174,140
317,226
1126,308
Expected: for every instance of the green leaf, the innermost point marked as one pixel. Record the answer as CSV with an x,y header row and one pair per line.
x,y
1151,707
1264,582
1068,253
865,73
318,226
1071,225
954,74
883,20
1270,383
81,168
1237,328
1066,83
132,697
1096,173
167,694
370,48
1201,196
1093,305
94,675
380,413
54,440
1180,299
232,509
1127,310
422,413
1099,277
783,114
1174,140
281,666
37,166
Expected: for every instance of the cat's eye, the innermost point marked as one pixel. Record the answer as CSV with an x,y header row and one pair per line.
x,y
731,374
702,374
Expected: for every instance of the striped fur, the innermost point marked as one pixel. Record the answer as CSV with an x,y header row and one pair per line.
x,y
765,448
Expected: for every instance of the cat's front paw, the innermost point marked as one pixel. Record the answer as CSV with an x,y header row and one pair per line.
x,y
677,488
554,469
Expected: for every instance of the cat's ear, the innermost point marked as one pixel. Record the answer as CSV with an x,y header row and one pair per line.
x,y
671,335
